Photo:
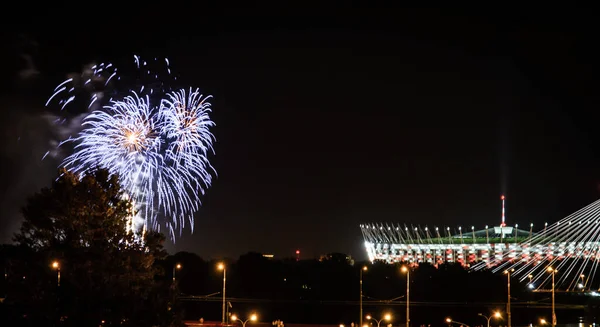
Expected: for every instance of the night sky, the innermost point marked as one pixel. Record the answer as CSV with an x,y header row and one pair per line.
x,y
332,117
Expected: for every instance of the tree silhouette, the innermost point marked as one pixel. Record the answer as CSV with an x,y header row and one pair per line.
x,y
106,273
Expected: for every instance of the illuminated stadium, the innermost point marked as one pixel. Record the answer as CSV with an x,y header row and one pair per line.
x,y
570,245
417,244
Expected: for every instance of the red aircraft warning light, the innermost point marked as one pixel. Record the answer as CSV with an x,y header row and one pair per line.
x,y
297,255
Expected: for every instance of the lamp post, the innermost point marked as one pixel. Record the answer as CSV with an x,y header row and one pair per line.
x,y
56,266
507,273
222,266
530,285
386,317
364,268
495,315
253,317
450,321
407,271
175,268
552,271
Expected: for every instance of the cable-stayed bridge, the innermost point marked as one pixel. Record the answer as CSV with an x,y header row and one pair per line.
x,y
570,245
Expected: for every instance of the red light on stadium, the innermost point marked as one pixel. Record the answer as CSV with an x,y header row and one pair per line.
x,y
297,251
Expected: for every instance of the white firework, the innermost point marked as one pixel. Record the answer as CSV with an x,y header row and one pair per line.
x,y
156,141
123,138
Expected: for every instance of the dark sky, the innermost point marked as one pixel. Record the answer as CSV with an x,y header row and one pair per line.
x,y
332,117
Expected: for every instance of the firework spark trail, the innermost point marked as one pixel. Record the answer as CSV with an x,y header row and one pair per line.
x,y
187,123
92,82
157,141
124,139
186,126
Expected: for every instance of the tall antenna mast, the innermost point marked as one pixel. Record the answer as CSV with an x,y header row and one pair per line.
x,y
503,212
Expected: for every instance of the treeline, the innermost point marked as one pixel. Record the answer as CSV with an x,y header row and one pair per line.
x,y
75,262
328,291
256,277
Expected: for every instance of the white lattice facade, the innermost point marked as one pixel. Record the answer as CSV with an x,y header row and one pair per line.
x,y
467,254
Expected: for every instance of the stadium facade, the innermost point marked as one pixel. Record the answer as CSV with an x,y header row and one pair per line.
x,y
417,244
570,246
576,236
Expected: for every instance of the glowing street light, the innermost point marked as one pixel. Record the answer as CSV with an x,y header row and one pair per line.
x,y
405,269
450,322
363,269
530,230
530,285
221,266
253,318
543,321
507,273
176,267
56,265
386,317
496,315
552,271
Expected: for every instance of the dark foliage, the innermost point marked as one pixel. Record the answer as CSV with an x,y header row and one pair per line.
x,y
106,273
327,292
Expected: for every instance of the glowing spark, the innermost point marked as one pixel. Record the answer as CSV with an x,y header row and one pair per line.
x,y
187,123
155,140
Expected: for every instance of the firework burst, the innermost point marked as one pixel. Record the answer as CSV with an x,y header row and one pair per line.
x,y
187,123
123,138
155,140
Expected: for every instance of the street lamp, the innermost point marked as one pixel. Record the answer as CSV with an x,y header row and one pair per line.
x,y
364,268
495,315
56,265
450,322
176,267
507,273
552,271
221,266
405,269
530,285
253,317
386,317
543,321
